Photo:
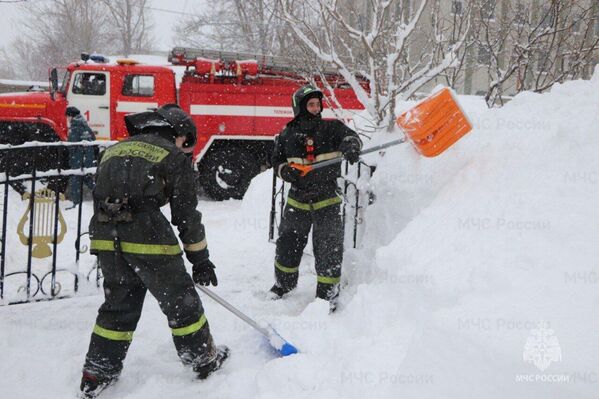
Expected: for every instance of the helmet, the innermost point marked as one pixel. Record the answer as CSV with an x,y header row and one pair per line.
x,y
180,122
301,97
170,116
136,123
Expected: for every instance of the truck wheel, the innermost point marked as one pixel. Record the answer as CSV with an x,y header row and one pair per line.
x,y
226,173
20,161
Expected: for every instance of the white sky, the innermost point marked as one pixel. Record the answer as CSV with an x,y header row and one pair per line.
x,y
163,21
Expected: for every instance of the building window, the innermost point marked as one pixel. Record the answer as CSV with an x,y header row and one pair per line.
x,y
521,14
576,25
484,55
487,9
457,8
89,84
542,59
547,18
138,86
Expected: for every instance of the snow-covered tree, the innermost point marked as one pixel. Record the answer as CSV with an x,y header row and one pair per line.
x,y
131,25
246,26
396,48
531,46
56,32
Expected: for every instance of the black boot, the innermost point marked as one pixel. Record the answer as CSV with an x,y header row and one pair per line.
x,y
93,385
330,293
277,291
204,370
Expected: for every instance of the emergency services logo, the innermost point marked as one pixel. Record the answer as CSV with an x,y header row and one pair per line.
x,y
542,348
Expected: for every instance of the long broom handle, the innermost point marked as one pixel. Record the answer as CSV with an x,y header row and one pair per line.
x,y
233,310
367,151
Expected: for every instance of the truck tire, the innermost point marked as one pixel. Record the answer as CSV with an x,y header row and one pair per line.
x,y
226,173
21,161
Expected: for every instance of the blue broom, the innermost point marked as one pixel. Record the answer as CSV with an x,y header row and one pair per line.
x,y
274,338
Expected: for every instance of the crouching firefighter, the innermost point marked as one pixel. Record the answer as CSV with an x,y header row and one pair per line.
x,y
138,251
313,200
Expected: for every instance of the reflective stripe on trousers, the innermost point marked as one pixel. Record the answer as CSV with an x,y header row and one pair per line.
x,y
114,335
313,206
137,248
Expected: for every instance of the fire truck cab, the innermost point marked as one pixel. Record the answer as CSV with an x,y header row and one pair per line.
x,y
239,102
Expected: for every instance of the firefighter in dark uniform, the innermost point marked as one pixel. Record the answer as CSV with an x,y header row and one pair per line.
x,y
138,251
313,200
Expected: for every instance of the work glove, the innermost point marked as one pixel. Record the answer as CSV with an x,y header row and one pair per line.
x,y
350,150
290,174
203,273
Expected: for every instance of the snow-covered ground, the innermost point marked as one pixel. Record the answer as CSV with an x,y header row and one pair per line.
x,y
477,277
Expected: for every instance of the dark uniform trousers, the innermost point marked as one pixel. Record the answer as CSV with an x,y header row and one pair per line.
x,y
127,278
327,240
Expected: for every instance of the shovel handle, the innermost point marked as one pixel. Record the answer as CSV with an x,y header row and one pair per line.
x,y
233,310
304,169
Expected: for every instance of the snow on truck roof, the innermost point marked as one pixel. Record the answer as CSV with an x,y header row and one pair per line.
x,y
143,60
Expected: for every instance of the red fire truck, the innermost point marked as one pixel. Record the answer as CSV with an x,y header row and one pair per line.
x,y
239,102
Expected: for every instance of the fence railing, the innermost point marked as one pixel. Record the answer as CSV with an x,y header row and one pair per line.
x,y
41,244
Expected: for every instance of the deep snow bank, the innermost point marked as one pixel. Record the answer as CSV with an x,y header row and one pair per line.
x,y
493,239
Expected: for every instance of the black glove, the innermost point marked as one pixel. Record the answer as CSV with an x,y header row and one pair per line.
x,y
289,174
203,273
350,150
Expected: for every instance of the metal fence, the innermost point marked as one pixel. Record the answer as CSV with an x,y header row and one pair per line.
x,y
38,174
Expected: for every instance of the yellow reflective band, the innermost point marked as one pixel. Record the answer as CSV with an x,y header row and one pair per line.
x,y
300,161
198,246
318,158
37,106
328,155
136,149
315,206
286,269
136,248
112,334
190,329
328,280
102,245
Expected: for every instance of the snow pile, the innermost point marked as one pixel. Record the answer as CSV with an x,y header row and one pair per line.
x,y
488,242
477,277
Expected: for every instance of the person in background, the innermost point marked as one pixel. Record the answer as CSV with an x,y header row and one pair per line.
x,y
79,156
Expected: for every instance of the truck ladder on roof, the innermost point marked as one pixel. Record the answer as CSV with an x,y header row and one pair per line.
x,y
278,63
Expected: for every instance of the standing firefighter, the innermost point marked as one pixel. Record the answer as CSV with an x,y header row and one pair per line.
x,y
313,201
138,251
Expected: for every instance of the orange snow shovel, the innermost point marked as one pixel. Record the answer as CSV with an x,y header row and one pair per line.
x,y
435,123
432,126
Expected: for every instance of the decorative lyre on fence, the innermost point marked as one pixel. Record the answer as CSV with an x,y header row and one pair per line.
x,y
43,228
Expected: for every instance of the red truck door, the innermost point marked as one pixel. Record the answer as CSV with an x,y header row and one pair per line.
x,y
90,92
140,89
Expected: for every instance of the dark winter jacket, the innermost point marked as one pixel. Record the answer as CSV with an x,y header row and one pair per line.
x,y
80,131
149,171
292,146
